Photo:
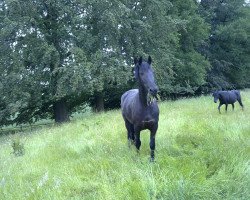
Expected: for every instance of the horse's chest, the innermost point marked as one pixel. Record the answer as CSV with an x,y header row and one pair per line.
x,y
147,118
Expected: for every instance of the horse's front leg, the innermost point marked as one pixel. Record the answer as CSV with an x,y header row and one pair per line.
x,y
233,106
152,143
240,102
137,137
219,107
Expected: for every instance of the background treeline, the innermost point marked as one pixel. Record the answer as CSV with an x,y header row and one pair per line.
x,y
59,55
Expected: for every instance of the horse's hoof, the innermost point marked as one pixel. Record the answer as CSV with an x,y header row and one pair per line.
x,y
152,160
129,143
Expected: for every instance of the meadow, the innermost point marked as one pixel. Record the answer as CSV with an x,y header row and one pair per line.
x,y
200,154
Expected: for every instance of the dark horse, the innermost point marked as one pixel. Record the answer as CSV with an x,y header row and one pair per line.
x,y
139,107
227,97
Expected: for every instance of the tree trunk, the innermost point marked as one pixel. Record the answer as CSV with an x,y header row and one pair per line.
x,y
99,102
61,113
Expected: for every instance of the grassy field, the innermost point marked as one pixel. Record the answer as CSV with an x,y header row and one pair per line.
x,y
200,155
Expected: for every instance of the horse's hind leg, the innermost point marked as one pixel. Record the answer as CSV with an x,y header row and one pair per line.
x,y
233,106
226,107
240,102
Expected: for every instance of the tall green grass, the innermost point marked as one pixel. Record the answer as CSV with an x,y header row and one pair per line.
x,y
200,155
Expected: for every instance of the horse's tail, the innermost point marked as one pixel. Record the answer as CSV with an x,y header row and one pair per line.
x,y
237,92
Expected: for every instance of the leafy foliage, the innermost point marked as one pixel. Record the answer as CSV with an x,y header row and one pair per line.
x,y
229,43
43,64
58,55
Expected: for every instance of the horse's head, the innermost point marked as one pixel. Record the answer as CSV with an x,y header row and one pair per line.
x,y
216,96
145,75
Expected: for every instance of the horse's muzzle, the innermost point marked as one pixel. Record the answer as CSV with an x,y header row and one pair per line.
x,y
153,92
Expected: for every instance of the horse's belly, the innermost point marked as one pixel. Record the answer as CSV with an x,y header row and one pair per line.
x,y
232,100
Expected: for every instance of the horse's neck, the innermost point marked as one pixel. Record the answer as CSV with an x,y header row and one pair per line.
x,y
143,95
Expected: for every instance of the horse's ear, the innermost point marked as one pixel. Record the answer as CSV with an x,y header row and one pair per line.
x,y
149,60
140,60
136,67
135,60
136,71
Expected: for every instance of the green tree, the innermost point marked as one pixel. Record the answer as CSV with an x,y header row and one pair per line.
x,y
122,30
191,65
232,50
151,30
101,42
42,65
228,49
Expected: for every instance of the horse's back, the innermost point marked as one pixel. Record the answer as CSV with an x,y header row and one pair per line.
x,y
230,96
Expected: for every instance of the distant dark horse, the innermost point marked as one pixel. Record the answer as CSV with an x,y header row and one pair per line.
x,y
139,107
227,97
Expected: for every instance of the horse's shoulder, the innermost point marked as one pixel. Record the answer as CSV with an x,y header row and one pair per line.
x,y
155,107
